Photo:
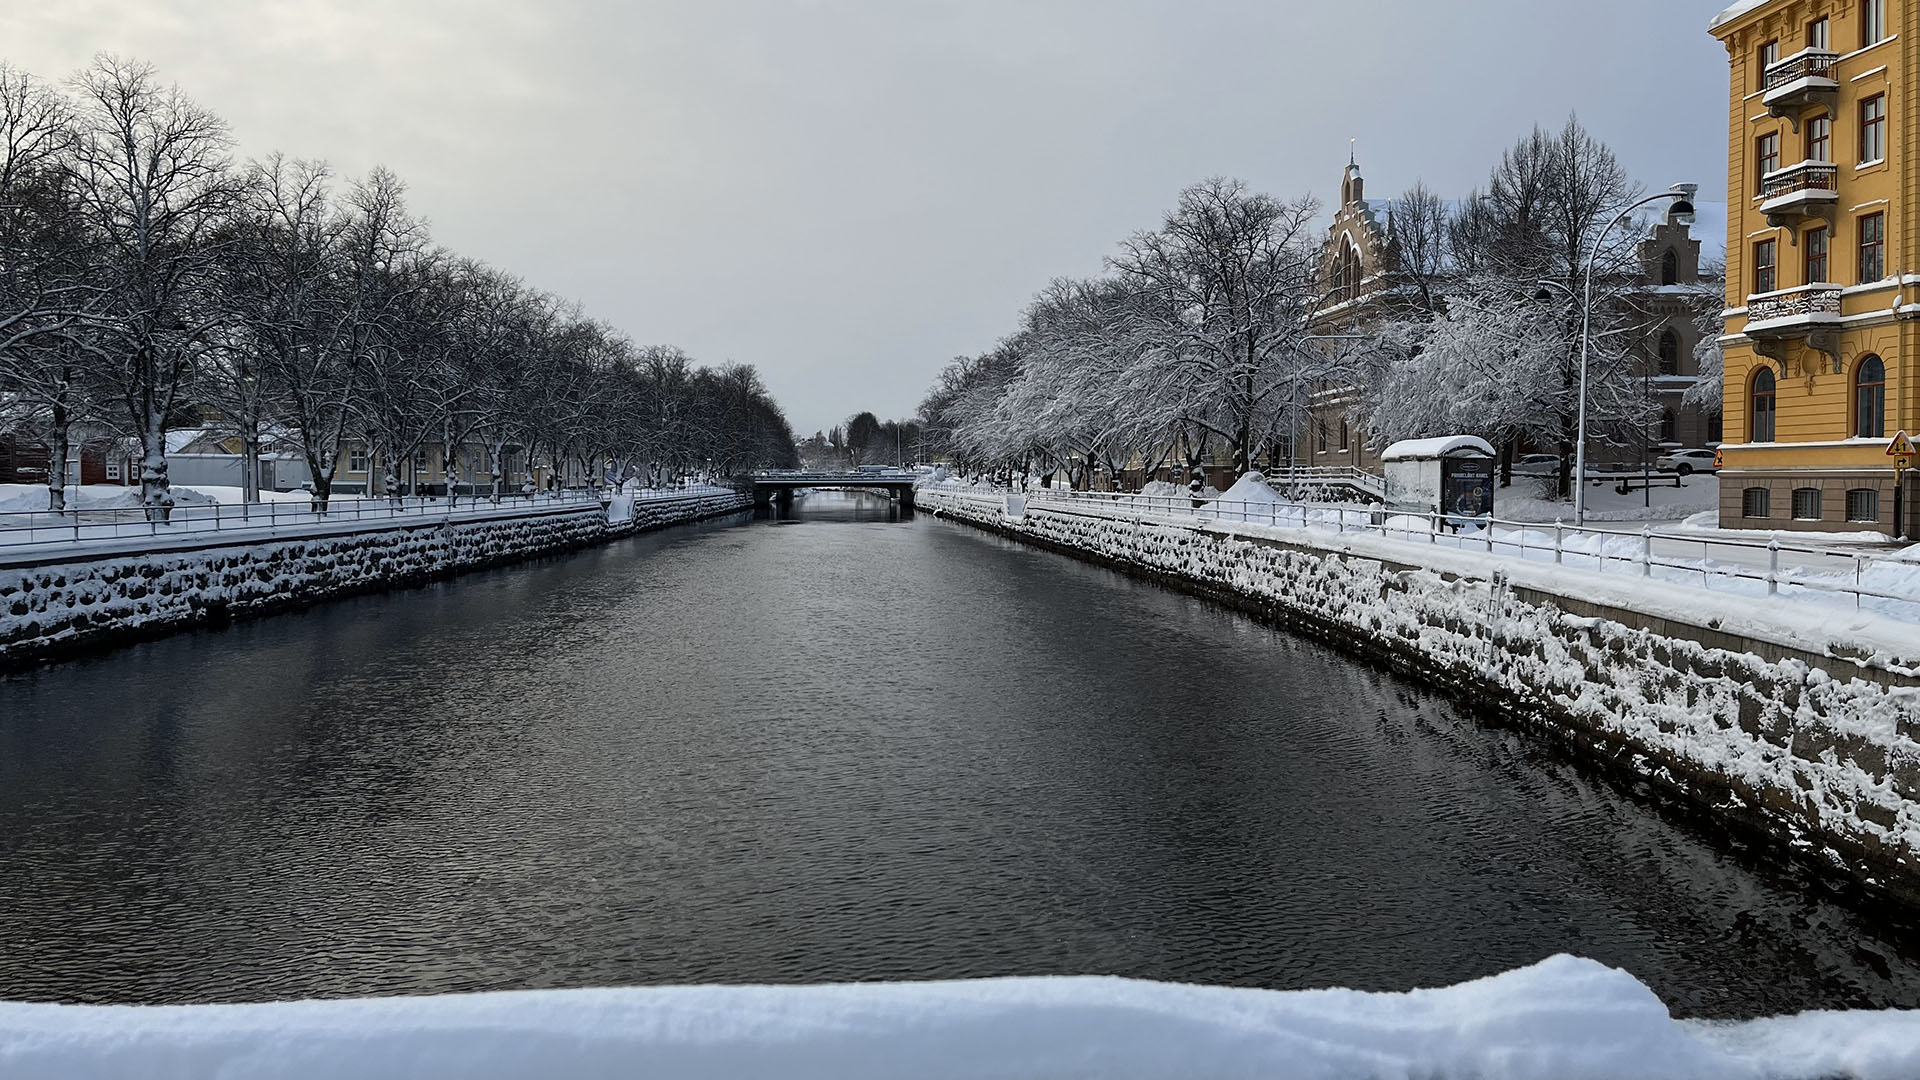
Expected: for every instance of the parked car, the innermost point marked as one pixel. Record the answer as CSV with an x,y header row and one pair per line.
x,y
1536,465
1686,462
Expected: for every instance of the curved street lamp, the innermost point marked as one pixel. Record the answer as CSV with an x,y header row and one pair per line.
x,y
1682,194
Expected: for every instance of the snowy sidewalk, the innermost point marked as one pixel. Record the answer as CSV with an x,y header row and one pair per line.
x,y
1562,1019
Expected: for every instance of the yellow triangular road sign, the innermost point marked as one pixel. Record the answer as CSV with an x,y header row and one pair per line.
x,y
1901,446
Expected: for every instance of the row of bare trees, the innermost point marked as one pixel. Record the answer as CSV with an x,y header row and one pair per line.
x,y
148,282
1216,330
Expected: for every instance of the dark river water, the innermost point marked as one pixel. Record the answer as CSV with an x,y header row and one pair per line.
x,y
841,748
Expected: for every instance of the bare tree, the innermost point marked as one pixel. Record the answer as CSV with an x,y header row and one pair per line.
x,y
1228,296
151,177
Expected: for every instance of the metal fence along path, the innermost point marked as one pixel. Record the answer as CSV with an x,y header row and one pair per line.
x,y
1765,566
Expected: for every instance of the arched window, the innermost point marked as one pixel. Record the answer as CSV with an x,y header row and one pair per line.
x,y
1763,403
1870,399
1669,353
1669,427
1669,268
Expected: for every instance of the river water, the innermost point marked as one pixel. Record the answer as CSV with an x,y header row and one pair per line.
x,y
842,747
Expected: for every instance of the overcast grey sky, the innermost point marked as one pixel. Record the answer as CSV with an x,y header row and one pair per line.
x,y
847,193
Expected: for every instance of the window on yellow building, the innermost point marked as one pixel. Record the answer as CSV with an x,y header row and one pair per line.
x,y
1870,399
1814,244
1817,37
1873,247
1873,129
1820,139
1863,504
1755,503
1763,400
1806,504
1766,153
1769,56
1764,279
1873,22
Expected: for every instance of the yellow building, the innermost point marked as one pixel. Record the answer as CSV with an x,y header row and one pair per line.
x,y
1823,264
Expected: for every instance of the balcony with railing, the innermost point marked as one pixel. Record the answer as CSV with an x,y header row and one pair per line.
x,y
1793,312
1809,189
1809,314
1804,79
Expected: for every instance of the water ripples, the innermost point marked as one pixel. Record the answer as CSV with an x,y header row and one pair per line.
x,y
852,748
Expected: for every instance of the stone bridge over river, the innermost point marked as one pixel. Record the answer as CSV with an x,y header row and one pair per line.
x,y
779,487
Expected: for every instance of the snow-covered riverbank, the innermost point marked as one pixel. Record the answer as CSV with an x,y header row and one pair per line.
x,y
74,597
1565,1018
1814,737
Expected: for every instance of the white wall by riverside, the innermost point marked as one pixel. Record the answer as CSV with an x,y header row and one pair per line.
x,y
76,604
1823,753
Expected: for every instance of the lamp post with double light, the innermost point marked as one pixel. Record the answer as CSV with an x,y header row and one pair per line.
x,y
1682,210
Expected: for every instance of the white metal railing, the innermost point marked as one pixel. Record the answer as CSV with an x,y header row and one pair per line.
x,y
1769,567
1805,64
1806,176
1788,303
1328,476
23,530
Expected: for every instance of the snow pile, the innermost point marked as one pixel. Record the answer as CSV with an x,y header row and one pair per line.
x,y
1249,499
1163,489
1565,1018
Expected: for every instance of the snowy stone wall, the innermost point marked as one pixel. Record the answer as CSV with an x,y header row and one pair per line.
x,y
60,608
1824,757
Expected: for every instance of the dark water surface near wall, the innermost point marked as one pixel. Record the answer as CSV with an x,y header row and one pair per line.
x,y
841,748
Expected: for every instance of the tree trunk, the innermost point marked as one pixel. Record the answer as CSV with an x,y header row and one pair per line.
x,y
57,459
250,462
156,494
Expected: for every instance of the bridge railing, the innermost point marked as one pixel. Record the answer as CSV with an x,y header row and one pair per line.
x,y
892,476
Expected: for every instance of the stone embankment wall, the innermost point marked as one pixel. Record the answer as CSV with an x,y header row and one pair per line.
x,y
77,604
1823,753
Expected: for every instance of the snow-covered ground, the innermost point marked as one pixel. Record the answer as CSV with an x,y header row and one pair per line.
x,y
1526,501
32,498
1562,1019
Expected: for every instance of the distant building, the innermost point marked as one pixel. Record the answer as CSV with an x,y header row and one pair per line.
x,y
1364,282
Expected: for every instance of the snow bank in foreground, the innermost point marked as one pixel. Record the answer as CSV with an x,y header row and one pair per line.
x,y
1565,1018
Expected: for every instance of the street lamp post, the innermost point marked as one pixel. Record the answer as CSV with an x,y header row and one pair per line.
x,y
1682,194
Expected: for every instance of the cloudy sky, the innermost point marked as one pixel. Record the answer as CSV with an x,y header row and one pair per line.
x,y
847,193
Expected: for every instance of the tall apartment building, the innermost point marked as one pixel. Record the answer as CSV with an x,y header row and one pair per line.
x,y
1823,263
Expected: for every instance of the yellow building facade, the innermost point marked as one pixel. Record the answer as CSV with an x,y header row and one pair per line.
x,y
1823,264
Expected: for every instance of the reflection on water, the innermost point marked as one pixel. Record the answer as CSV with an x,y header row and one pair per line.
x,y
849,747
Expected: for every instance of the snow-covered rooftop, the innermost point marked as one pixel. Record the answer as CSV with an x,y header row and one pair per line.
x,y
1734,12
1444,446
